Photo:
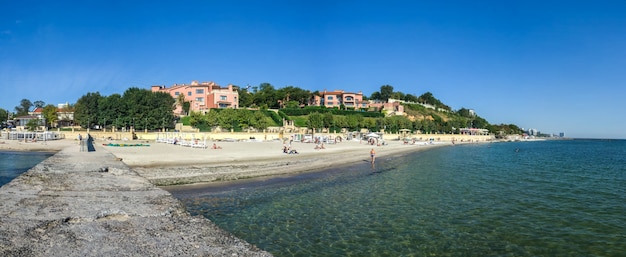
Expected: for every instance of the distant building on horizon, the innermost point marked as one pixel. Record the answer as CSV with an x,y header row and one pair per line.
x,y
202,96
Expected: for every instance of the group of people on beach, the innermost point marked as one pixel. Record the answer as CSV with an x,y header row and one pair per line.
x,y
288,150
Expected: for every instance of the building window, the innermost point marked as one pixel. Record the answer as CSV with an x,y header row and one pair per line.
x,y
176,93
223,97
200,99
189,93
349,98
329,97
199,91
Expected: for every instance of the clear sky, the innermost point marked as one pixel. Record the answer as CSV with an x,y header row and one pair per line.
x,y
555,66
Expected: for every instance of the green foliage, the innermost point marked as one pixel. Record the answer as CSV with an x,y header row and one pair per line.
x,y
39,104
505,129
276,117
245,98
23,108
86,112
292,104
186,120
301,121
316,121
186,107
235,119
428,98
140,108
321,109
465,113
4,115
49,113
385,92
33,124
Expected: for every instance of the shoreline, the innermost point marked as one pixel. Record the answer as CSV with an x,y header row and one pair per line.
x,y
172,165
247,160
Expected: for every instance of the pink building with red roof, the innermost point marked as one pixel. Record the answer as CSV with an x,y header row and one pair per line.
x,y
202,96
336,98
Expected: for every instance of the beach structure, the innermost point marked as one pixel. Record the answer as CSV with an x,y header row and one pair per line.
x,y
202,96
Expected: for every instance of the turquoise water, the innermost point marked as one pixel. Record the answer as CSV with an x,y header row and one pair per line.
x,y
546,198
12,164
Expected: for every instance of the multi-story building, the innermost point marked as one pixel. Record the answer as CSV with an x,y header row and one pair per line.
x,y
337,98
65,116
202,96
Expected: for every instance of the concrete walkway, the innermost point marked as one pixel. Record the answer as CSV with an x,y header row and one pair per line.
x,y
91,204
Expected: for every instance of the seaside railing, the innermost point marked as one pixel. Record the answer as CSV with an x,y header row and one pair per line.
x,y
32,136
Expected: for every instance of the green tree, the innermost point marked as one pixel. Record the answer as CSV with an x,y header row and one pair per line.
x,y
260,121
228,119
316,121
340,121
33,125
369,123
86,112
161,111
465,113
376,96
410,98
146,109
327,119
50,115
246,99
480,122
291,93
23,108
266,95
385,92
352,122
39,104
111,110
398,95
4,115
428,98
292,104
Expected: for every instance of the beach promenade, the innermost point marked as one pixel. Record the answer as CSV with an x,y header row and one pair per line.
x,y
106,202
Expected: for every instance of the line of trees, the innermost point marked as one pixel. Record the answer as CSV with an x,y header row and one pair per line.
x,y
138,108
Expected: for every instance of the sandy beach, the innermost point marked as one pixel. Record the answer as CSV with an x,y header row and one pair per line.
x,y
167,164
40,146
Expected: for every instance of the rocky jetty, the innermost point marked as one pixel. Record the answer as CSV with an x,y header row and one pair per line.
x,y
92,204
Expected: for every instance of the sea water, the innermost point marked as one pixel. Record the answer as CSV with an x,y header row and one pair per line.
x,y
545,198
12,164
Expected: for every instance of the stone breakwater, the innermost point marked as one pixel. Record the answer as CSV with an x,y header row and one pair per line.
x,y
91,204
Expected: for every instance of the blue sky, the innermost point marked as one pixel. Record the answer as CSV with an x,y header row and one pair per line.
x,y
556,66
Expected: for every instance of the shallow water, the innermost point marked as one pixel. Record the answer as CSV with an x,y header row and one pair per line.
x,y
547,198
12,164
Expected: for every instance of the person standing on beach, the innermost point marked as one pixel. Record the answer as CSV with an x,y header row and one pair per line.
x,y
81,142
373,155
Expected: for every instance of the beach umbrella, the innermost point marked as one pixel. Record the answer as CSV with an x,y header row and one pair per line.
x,y
372,135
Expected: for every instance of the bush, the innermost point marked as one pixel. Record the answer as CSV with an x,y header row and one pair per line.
x,y
311,109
